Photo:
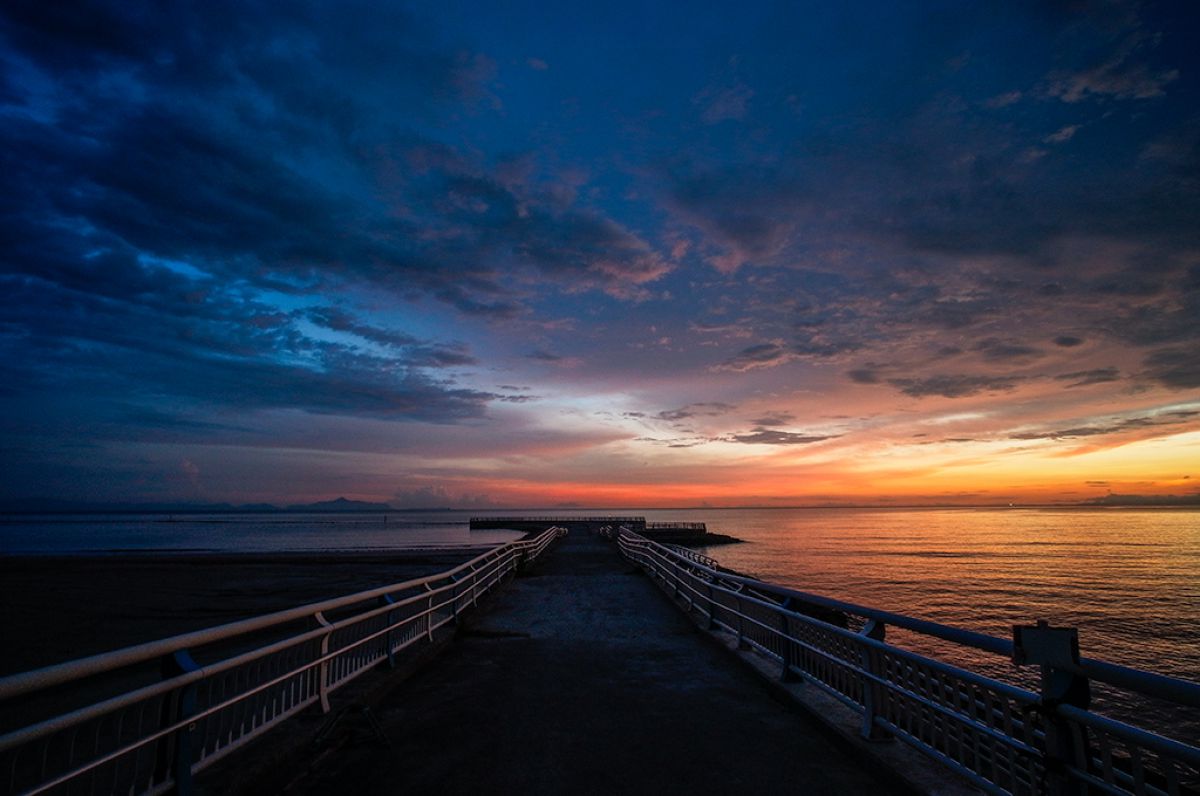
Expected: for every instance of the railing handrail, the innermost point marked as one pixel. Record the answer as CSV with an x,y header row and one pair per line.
x,y
1148,683
1030,742
202,712
47,676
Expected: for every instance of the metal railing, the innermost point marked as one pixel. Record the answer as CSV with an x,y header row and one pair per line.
x,y
1005,739
146,718
677,526
692,555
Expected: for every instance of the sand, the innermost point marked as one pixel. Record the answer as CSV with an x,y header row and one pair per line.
x,y
54,609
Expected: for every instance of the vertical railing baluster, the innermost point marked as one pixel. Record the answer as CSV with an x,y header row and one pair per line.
x,y
323,667
789,647
175,759
712,608
741,622
871,691
389,650
429,612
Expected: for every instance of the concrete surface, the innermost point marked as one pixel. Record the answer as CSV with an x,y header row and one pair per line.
x,y
582,678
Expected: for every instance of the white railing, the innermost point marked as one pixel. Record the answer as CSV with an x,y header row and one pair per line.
x,y
1005,739
144,719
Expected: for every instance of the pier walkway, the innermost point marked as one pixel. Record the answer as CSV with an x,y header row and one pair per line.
x,y
582,678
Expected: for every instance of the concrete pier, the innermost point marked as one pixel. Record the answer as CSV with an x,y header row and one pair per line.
x,y
582,678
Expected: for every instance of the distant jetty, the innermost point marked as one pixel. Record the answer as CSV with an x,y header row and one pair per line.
x,y
686,534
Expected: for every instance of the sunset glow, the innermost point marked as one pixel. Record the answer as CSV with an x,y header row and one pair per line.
x,y
533,256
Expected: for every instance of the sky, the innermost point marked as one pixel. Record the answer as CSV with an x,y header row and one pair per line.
x,y
599,254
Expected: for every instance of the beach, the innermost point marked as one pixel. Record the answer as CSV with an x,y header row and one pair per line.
x,y
58,608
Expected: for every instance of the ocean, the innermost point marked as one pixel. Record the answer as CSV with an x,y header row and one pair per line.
x,y
1128,579
238,533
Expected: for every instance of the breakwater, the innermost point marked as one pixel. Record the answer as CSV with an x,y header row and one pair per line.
x,y
687,534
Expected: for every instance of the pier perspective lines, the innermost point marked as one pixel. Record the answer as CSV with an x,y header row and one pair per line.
x,y
146,718
1003,738
633,696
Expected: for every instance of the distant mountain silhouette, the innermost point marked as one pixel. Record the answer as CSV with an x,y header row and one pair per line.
x,y
340,504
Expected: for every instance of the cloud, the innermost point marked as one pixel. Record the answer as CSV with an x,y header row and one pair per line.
x,y
176,98
1146,500
747,213
954,386
723,103
864,375
775,419
1118,77
763,355
997,350
435,496
151,333
1082,378
703,409
1177,368
342,321
238,213
676,442
1174,319
825,345
767,436
1066,433
516,399
1062,135
1113,426
1003,100
1129,282
417,353
730,330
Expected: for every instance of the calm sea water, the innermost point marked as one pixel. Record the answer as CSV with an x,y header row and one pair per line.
x,y
246,533
1129,579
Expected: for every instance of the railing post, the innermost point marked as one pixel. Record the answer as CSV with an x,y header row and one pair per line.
x,y
712,609
741,631
1056,650
454,601
386,599
323,668
429,612
176,756
872,691
787,647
